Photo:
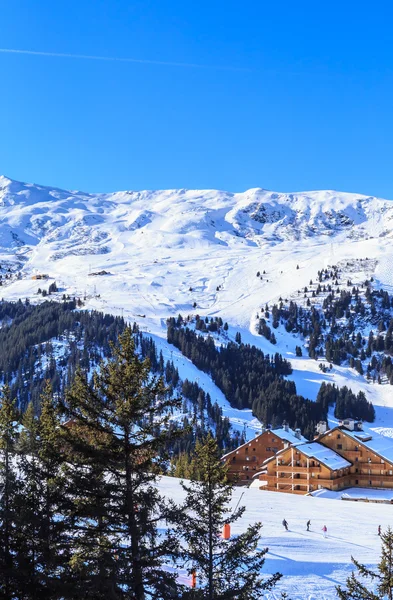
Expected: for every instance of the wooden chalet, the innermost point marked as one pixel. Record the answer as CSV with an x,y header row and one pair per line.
x,y
245,461
345,456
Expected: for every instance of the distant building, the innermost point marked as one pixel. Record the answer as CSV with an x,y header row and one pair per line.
x,y
245,461
40,276
345,456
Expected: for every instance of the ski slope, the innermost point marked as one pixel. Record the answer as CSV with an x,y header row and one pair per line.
x,y
311,565
164,251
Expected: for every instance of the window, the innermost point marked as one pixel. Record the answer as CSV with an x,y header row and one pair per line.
x,y
234,459
356,448
268,449
356,470
254,449
357,481
274,440
356,459
339,446
246,449
338,436
369,483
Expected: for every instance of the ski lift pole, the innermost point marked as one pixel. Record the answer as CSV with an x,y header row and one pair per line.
x,y
238,502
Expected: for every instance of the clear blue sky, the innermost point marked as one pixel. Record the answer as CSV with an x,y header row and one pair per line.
x,y
312,107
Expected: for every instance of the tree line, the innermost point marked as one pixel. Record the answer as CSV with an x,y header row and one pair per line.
x,y
249,378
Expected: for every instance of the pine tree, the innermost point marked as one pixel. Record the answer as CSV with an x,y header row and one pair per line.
x,y
43,542
225,568
119,434
383,576
9,492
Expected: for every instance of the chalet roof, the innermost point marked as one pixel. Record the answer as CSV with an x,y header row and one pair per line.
x,y
324,455
286,435
380,444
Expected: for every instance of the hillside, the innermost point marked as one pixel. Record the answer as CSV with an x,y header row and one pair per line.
x,y
150,255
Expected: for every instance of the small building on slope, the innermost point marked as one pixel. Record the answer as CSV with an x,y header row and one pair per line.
x,y
246,460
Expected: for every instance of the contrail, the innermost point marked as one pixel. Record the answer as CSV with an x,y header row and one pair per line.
x,y
142,61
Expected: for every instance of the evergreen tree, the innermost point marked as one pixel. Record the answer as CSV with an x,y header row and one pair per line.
x,y
43,542
120,434
383,577
225,569
9,493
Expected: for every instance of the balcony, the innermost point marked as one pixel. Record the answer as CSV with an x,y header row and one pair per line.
x,y
297,469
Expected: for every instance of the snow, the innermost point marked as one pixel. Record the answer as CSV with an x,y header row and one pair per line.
x,y
365,494
324,455
382,445
165,250
288,435
312,566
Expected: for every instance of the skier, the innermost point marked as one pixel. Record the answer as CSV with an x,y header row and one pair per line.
x,y
379,530
285,524
324,529
308,525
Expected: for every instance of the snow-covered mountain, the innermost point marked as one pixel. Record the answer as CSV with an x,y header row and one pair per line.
x,y
164,252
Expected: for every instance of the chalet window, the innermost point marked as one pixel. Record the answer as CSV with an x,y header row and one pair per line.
x,y
338,436
234,459
369,483
254,449
339,446
356,459
246,449
247,477
356,470
357,481
268,449
356,448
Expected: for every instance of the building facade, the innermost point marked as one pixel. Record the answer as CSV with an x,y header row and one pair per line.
x,y
345,456
244,462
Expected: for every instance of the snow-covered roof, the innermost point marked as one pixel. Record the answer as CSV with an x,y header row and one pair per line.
x,y
324,455
380,444
288,435
285,434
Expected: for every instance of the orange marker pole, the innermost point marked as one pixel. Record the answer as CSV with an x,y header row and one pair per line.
x,y
193,579
226,531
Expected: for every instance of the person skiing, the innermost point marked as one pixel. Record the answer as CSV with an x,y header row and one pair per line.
x,y
324,529
284,522
308,525
379,530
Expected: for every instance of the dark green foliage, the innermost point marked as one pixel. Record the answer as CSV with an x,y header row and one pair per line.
x,y
9,500
225,569
120,429
249,378
347,404
381,579
26,337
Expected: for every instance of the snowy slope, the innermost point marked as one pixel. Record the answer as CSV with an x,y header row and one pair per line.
x,y
312,566
163,251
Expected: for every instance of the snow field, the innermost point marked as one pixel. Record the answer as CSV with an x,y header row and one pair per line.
x,y
311,565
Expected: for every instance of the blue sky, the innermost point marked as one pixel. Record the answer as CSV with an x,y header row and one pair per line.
x,y
305,100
